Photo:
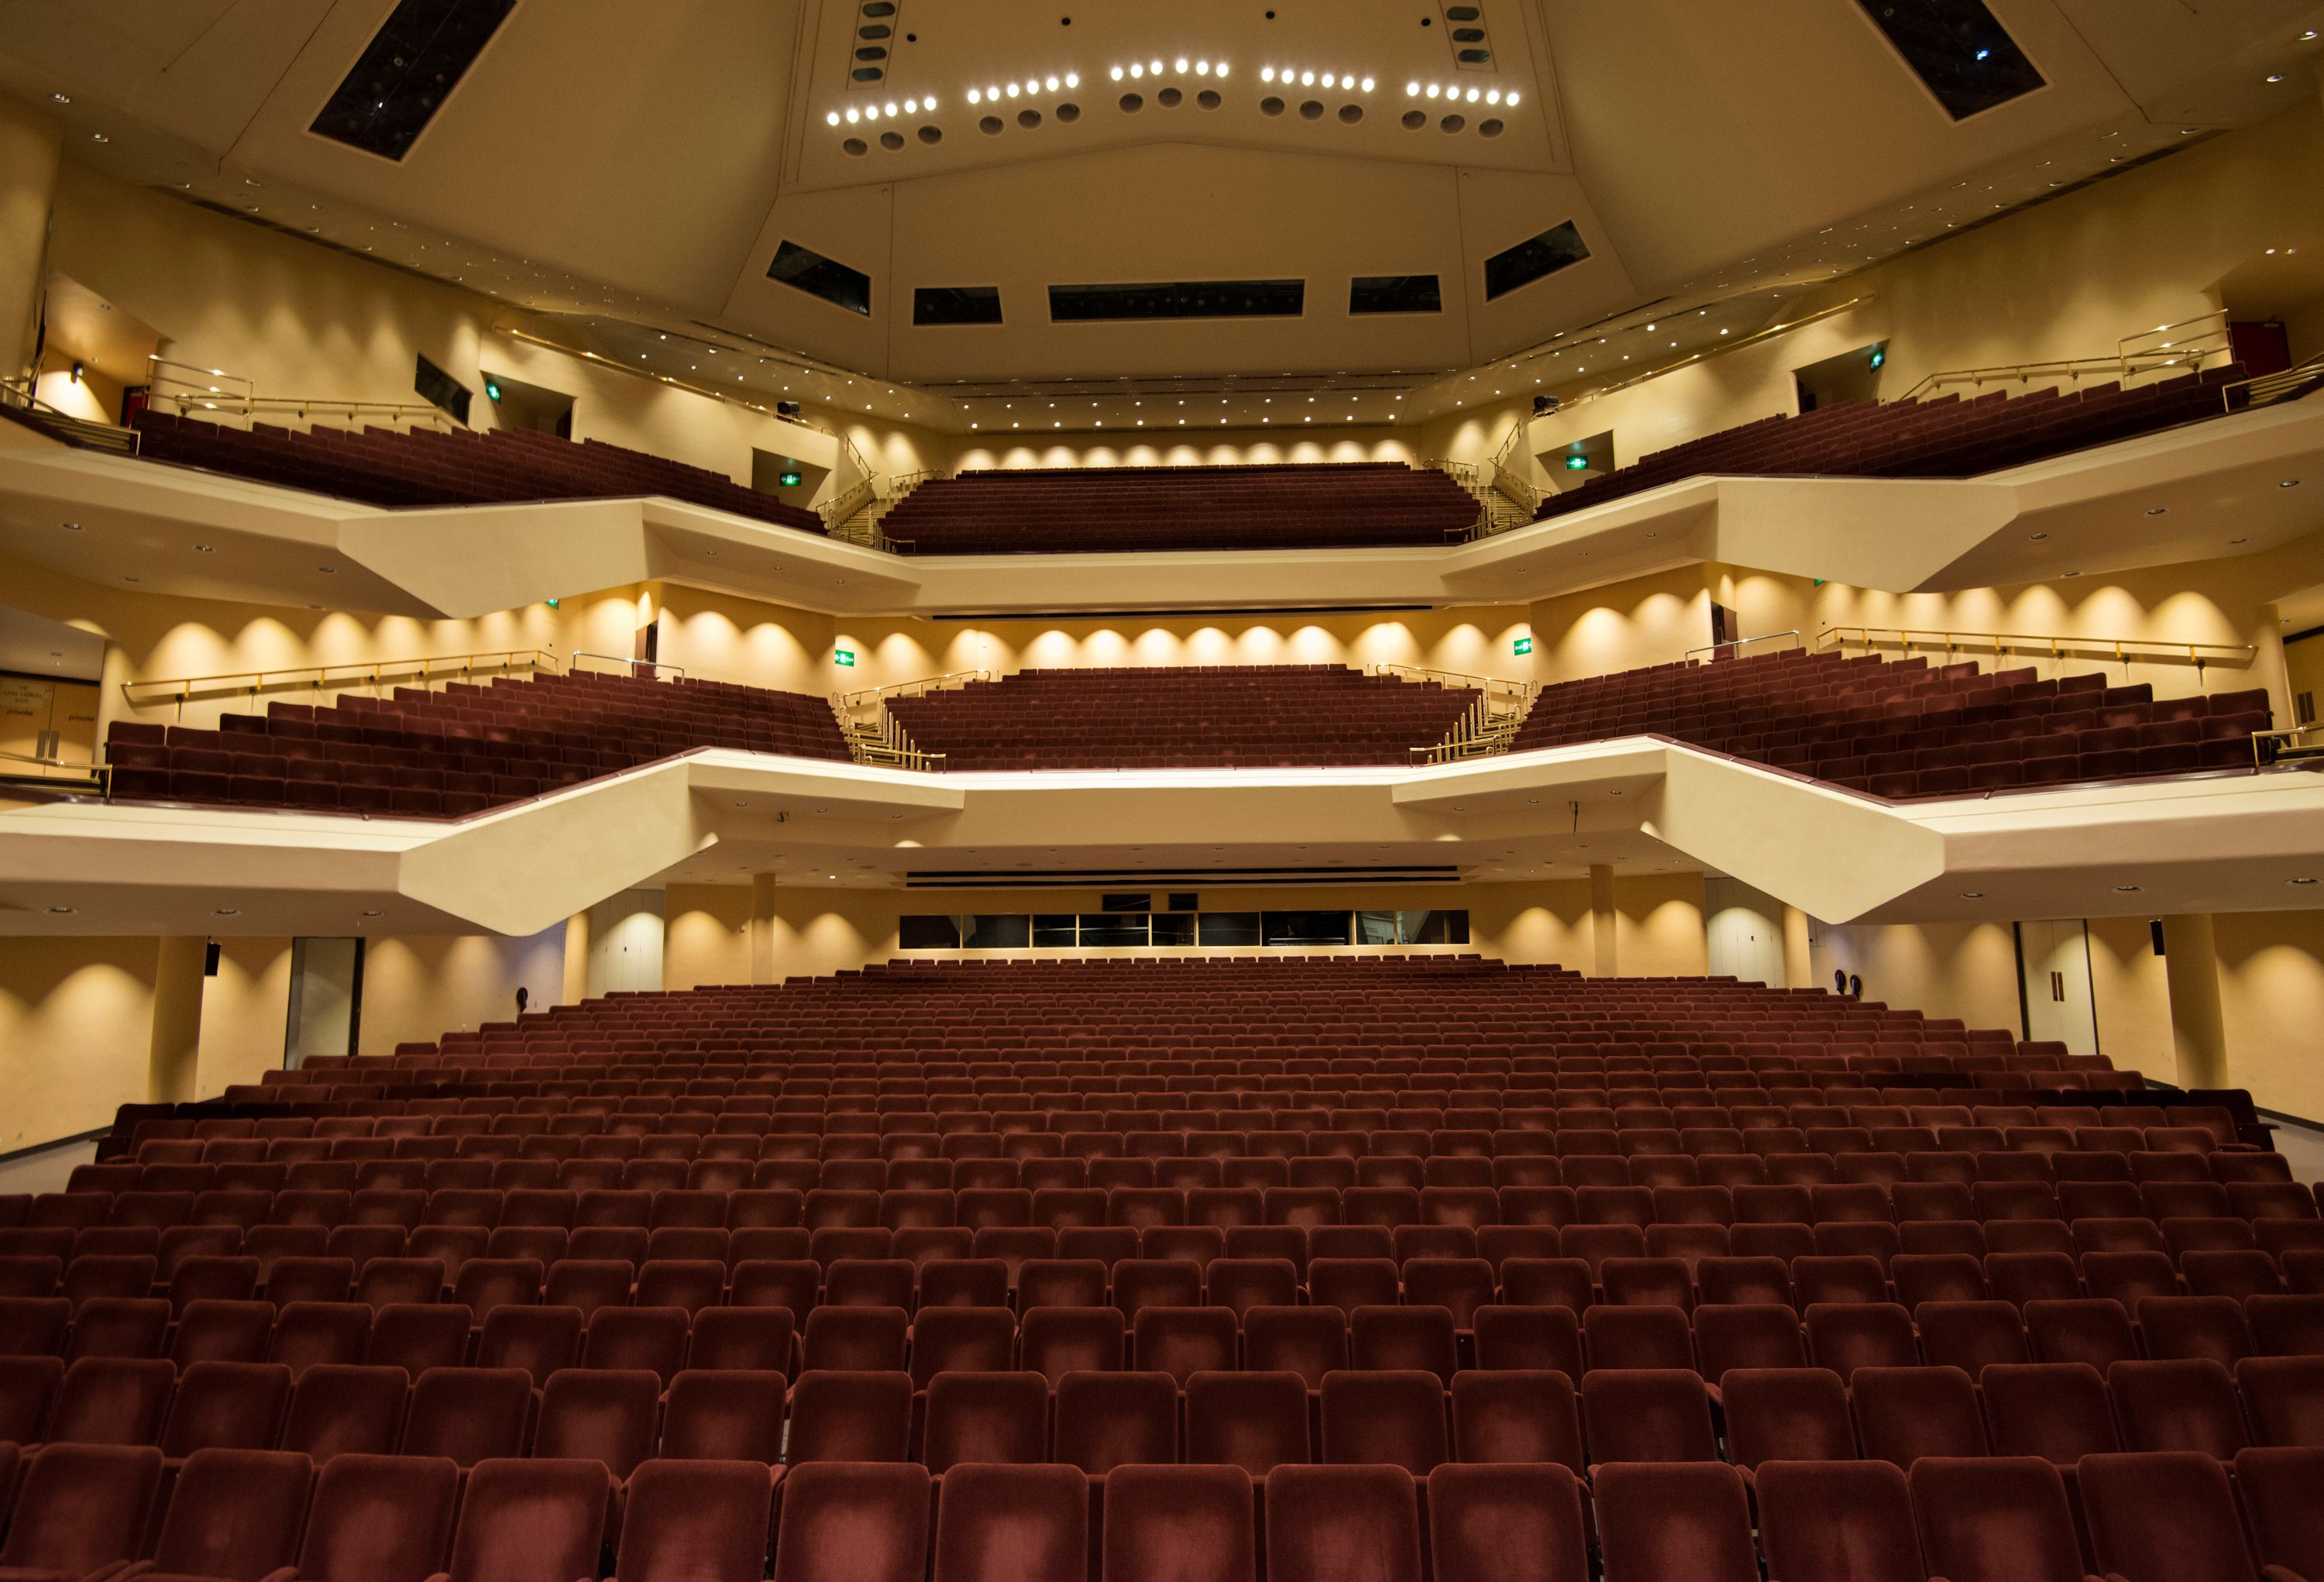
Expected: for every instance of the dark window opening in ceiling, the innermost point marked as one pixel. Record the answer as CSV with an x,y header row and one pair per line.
x,y
1532,258
809,271
441,389
1184,299
1957,50
1394,293
406,72
956,305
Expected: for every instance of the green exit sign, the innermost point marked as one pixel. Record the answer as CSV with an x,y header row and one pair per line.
x,y
1577,464
789,480
846,656
1524,645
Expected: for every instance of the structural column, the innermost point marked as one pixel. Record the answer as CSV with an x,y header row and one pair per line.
x,y
1799,966
762,928
1601,921
2198,1035
174,1054
576,959
29,146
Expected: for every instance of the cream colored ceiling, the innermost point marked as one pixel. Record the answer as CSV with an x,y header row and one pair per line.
x,y
631,167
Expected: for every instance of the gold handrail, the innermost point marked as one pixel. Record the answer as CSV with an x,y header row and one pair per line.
x,y
2125,362
1735,344
1495,685
234,395
857,700
2057,644
623,659
2292,734
180,690
99,774
1747,642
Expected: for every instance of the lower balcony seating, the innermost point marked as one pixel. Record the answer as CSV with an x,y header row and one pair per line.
x,y
1944,437
461,750
1900,728
1174,718
1087,510
386,466
1421,1268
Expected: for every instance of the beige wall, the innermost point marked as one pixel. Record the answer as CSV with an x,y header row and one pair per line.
x,y
418,988
245,1012
2066,279
75,1020
2131,997
706,936
2271,996
1968,970
2303,664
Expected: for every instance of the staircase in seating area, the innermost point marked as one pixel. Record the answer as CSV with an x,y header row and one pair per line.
x,y
1497,511
873,735
1491,723
861,524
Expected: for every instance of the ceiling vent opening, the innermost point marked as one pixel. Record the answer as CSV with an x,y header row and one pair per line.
x,y
875,33
407,72
1203,299
1464,29
1958,50
803,269
945,305
1533,259
1394,293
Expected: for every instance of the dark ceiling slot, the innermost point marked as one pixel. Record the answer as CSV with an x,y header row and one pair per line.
x,y
1958,50
1394,293
942,305
1200,298
407,72
1533,258
806,270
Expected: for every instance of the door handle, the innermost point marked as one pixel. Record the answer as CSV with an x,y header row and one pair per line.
x,y
2058,987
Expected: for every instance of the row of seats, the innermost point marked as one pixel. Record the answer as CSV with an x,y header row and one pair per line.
x,y
1097,509
460,750
1901,729
997,1409
421,467
1182,717
2140,1516
1942,437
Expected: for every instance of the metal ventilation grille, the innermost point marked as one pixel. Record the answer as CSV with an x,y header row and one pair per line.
x,y
407,72
1464,29
871,50
1958,50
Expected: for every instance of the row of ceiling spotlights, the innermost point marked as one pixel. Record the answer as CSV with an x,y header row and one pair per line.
x,y
874,112
1491,95
1154,69
1309,78
1032,85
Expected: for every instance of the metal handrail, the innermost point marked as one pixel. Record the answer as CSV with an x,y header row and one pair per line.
x,y
2283,734
1735,343
629,660
2262,388
181,688
88,432
1747,642
1490,685
101,773
216,389
857,700
2056,644
2125,363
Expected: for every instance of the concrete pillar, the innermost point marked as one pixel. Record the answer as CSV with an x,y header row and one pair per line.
x,y
762,928
29,148
323,1014
2198,1035
576,959
175,1052
1601,921
1799,969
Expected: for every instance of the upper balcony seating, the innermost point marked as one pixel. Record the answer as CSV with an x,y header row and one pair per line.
x,y
1945,437
383,467
461,750
1089,510
1173,717
1901,729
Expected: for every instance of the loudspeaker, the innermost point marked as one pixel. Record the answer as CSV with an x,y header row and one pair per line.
x,y
1542,405
787,408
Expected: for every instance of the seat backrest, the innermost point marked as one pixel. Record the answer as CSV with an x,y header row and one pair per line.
x,y
846,1415
695,1522
340,1408
1646,1414
541,1520
850,1522
1325,1523
2278,1486
1994,1519
1002,1524
1690,1521
1166,1524
1837,1522
469,1414
602,1415
1519,1416
1787,1414
1256,1420
1902,1415
2165,1516
1506,1524
1110,1421
80,1507
235,1513
2057,1410
723,1415
985,1417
